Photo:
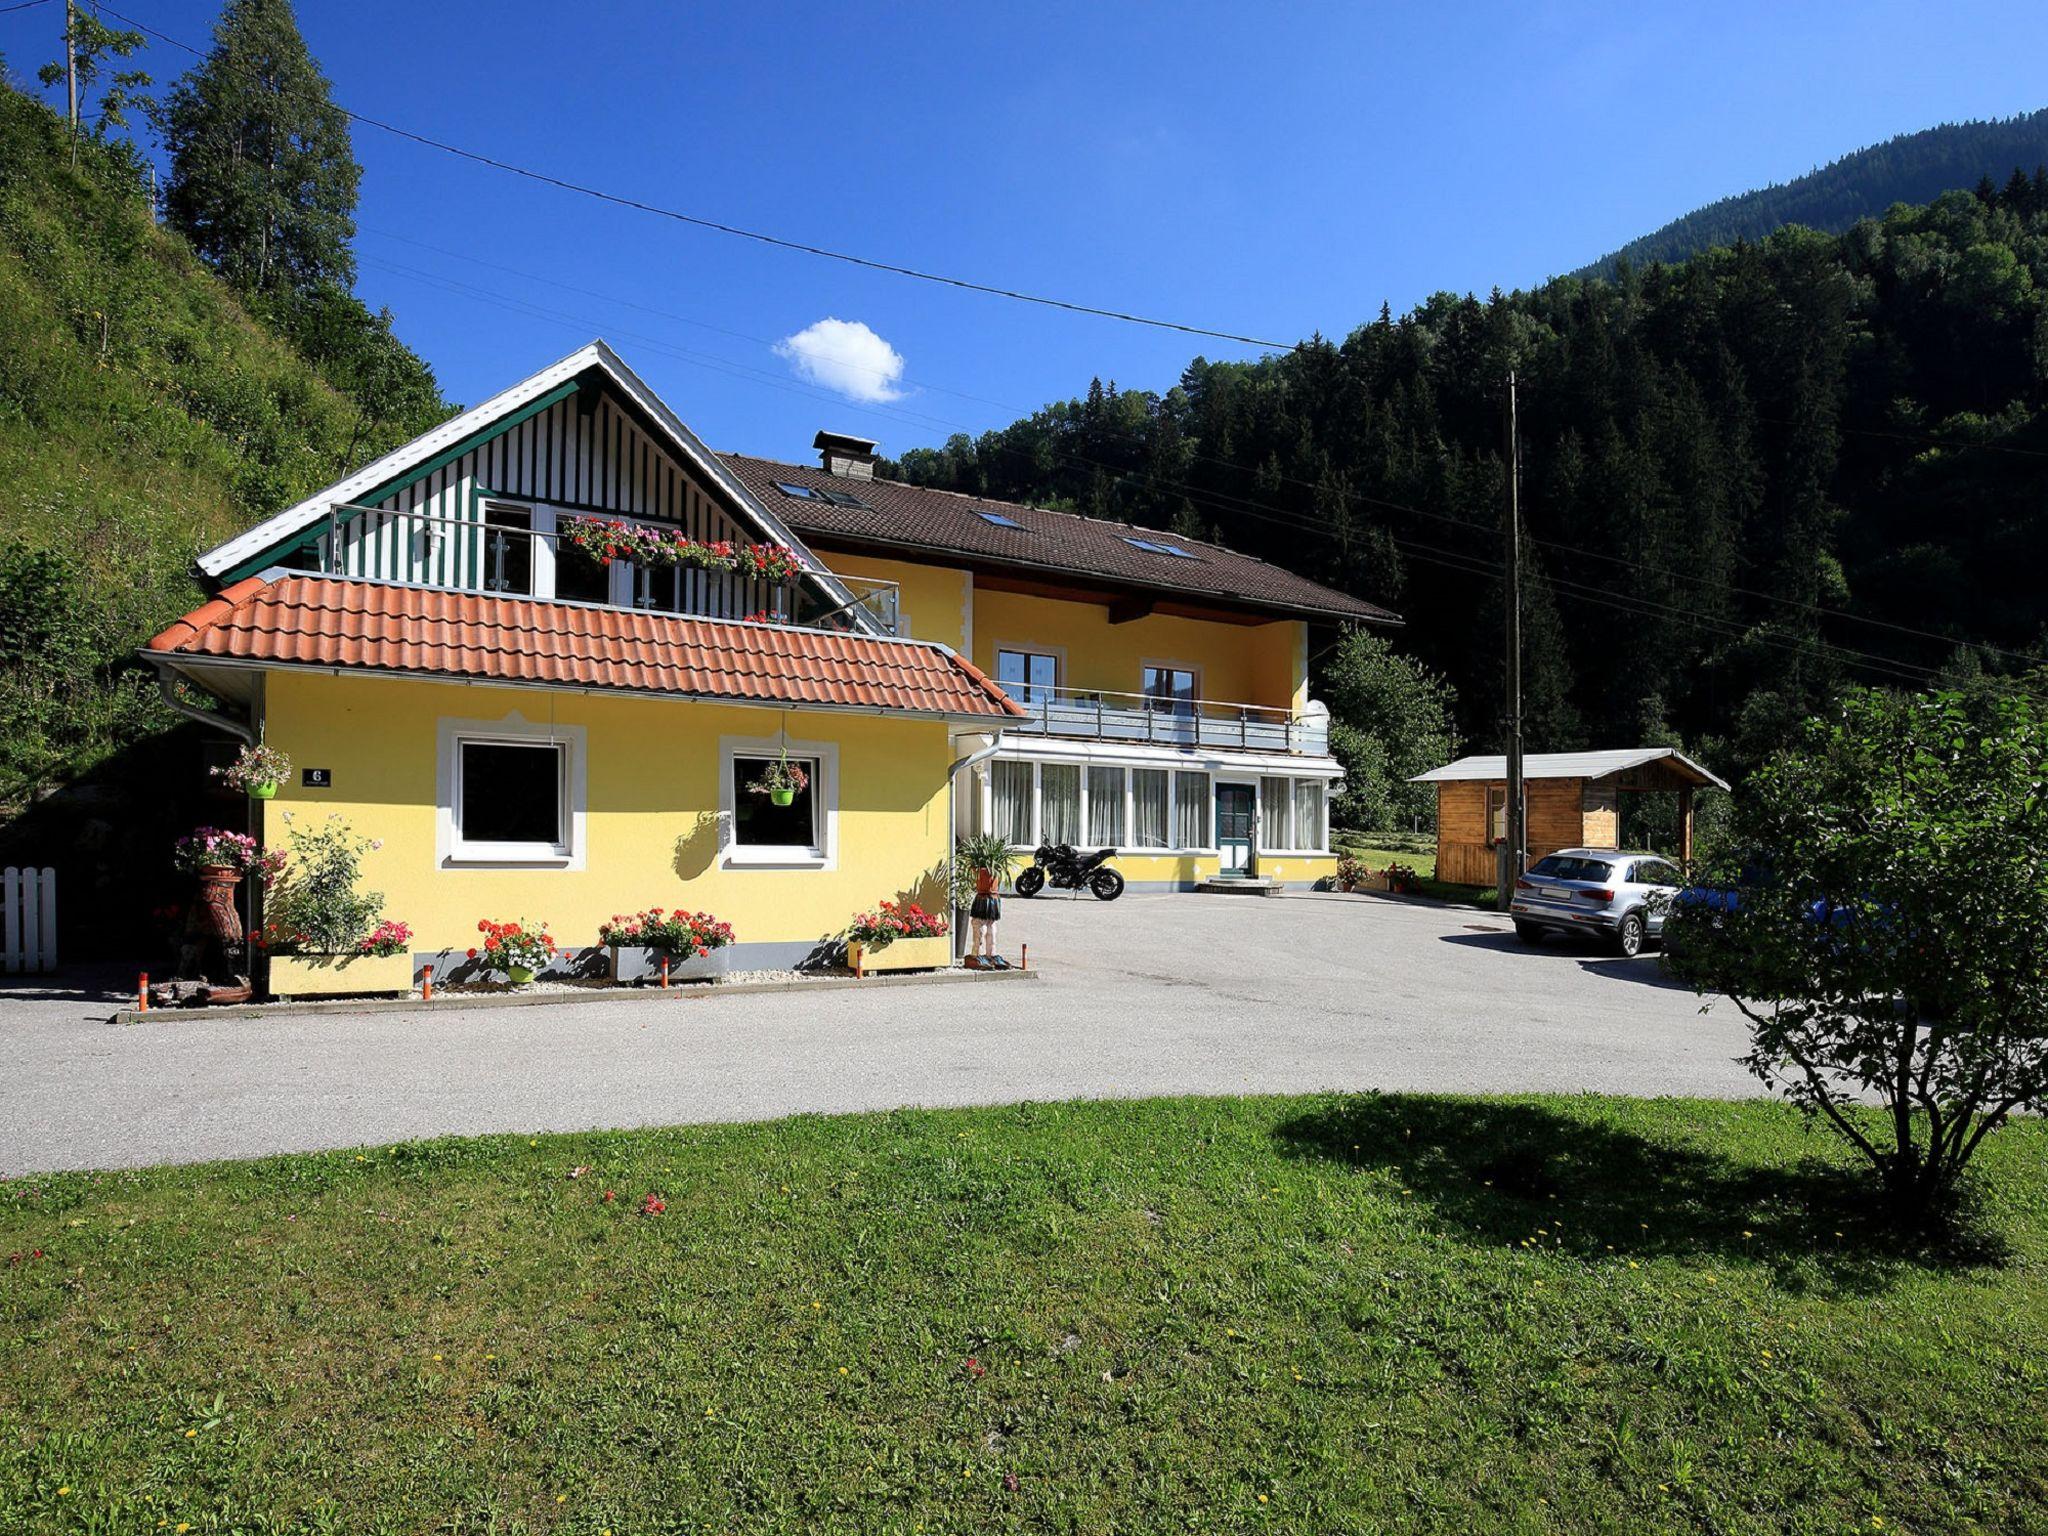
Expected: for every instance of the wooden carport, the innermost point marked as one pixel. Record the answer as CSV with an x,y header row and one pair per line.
x,y
1574,801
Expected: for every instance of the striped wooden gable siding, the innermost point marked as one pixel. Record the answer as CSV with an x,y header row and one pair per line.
x,y
599,462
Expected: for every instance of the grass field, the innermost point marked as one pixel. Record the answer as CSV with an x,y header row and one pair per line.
x,y
1379,849
1301,1315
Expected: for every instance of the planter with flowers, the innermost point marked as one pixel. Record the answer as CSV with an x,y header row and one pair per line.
x,y
219,859
693,943
781,781
898,938
257,771
323,933
603,540
513,950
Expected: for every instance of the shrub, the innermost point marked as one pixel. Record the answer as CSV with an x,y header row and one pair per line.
x,y
316,906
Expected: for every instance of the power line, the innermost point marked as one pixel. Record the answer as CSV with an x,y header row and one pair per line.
x,y
780,242
25,5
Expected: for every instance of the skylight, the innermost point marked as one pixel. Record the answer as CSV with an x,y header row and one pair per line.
x,y
1151,548
999,520
843,499
800,492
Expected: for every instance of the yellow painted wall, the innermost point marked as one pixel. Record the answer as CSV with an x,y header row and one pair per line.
x,y
1239,664
934,598
1161,868
651,802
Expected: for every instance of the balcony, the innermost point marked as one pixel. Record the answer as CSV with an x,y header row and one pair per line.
x,y
1074,714
503,552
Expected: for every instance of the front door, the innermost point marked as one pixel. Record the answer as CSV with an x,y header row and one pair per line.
x,y
1234,806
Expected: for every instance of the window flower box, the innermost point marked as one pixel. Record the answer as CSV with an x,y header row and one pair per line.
x,y
332,975
922,954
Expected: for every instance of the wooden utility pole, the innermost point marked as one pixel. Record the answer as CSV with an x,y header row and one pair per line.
x,y
71,71
1515,852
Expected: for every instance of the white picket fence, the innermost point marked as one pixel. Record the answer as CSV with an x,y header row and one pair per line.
x,y
28,919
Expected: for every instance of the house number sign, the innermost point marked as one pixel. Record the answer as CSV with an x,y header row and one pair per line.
x,y
317,778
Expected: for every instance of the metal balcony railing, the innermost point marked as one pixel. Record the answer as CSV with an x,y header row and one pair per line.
x,y
1093,716
472,555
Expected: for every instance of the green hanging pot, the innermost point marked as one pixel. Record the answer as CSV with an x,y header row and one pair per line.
x,y
782,796
262,791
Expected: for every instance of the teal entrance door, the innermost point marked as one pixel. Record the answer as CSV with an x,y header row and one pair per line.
x,y
1234,807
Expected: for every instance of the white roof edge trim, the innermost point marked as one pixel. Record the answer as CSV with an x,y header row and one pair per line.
x,y
1563,765
596,354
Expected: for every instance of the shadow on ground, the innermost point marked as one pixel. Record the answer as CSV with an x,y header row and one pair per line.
x,y
1499,1171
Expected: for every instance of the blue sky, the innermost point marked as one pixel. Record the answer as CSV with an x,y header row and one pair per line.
x,y
1272,170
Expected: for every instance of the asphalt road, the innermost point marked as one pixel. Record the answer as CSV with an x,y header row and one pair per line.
x,y
1150,995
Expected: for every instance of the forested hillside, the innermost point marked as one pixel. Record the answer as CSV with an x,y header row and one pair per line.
x,y
147,409
1912,168
1746,478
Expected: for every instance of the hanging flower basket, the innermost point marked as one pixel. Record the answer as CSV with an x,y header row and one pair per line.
x,y
781,781
258,770
605,540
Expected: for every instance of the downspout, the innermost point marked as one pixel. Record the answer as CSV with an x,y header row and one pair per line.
x,y
166,685
979,755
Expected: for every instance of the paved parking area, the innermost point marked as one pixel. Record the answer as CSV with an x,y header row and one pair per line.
x,y
1148,995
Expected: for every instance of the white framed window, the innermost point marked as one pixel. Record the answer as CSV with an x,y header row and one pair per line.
x,y
509,794
1192,808
1105,807
1169,689
1013,800
1149,805
1059,803
1309,805
759,834
1276,814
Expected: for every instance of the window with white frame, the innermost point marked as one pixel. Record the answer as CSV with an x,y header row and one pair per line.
x,y
760,832
1308,814
1191,810
1059,803
510,793
1149,808
1276,814
1029,677
1105,807
1170,690
1012,792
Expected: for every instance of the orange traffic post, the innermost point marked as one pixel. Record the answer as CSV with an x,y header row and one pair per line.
x,y
142,993
1024,957
664,973
426,983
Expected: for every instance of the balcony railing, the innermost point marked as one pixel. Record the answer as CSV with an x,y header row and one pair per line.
x,y
1085,716
469,555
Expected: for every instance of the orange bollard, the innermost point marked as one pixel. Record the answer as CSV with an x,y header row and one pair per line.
x,y
426,983
142,993
664,973
1024,957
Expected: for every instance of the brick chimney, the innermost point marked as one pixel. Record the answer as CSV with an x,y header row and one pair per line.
x,y
851,457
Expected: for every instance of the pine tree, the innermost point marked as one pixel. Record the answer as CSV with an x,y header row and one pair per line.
x,y
263,180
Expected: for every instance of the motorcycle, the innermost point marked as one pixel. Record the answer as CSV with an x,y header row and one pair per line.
x,y
1065,868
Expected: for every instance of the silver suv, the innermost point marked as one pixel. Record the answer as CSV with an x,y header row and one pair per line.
x,y
1621,896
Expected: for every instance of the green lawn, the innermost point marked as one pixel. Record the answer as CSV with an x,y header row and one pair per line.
x,y
1379,849
1287,1315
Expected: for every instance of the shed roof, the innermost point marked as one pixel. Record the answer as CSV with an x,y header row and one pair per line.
x,y
1568,765
296,619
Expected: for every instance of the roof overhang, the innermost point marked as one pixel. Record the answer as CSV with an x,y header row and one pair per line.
x,y
1571,765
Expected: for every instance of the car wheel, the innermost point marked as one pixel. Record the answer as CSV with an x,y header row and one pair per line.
x,y
1528,933
1630,936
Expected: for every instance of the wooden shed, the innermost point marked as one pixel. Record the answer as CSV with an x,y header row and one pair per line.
x,y
1574,801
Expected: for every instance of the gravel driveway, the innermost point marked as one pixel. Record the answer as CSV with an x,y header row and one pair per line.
x,y
1150,995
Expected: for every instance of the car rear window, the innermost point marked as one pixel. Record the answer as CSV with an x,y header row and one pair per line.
x,y
1560,867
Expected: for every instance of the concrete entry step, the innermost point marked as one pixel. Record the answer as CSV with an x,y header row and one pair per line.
x,y
1239,885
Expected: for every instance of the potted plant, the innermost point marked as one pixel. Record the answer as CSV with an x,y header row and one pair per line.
x,y
219,859
517,949
780,781
323,933
1402,880
258,770
693,943
898,938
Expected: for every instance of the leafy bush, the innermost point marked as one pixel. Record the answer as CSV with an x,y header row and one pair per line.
x,y
1392,718
315,905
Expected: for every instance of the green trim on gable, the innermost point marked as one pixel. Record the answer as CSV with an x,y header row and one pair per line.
x,y
411,477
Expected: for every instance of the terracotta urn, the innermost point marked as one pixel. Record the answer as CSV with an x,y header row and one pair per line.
x,y
214,915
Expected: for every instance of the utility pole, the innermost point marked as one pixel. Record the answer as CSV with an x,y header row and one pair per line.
x,y
71,71
1515,851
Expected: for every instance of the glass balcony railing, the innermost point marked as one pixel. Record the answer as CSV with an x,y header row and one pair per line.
x,y
1087,716
504,554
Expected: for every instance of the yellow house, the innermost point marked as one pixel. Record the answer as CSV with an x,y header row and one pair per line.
x,y
545,654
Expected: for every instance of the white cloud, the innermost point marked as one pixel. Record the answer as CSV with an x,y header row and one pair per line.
x,y
846,357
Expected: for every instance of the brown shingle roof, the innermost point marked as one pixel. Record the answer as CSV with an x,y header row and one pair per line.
x,y
307,620
946,522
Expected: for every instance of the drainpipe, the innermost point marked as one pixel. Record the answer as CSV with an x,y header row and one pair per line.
x,y
167,686
979,755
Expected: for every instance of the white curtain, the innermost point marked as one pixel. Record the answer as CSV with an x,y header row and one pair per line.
x,y
1276,816
1105,807
1308,814
1010,787
1148,807
1191,810
1059,807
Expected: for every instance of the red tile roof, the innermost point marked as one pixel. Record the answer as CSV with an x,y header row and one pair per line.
x,y
325,621
913,517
